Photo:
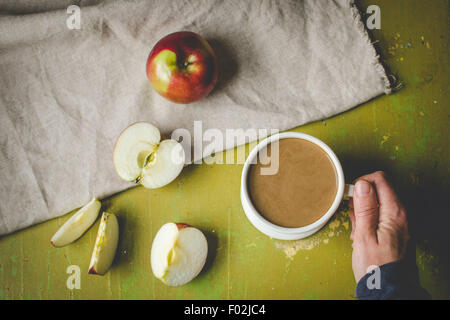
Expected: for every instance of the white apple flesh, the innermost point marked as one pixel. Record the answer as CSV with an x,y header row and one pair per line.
x,y
105,244
140,156
74,228
178,253
164,165
132,148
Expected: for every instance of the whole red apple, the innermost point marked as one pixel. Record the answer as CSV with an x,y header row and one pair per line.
x,y
182,67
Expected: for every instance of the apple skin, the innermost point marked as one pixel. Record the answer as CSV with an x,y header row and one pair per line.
x,y
182,225
182,67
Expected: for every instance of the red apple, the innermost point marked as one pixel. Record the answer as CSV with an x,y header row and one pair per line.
x,y
182,67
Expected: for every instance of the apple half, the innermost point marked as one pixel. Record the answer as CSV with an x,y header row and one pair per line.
x,y
74,228
178,253
141,156
105,244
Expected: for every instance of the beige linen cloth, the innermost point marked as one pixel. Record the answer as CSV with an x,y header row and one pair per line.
x,y
65,95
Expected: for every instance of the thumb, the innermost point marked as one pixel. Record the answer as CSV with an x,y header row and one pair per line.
x,y
366,210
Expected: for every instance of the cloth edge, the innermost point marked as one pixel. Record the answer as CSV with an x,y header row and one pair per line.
x,y
376,60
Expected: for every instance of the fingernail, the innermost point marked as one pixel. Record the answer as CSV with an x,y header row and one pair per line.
x,y
362,187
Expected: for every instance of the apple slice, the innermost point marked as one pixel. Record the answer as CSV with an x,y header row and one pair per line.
x,y
132,148
74,228
164,165
178,253
105,244
140,156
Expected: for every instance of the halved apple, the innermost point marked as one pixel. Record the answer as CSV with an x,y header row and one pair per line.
x,y
141,156
178,253
105,244
74,228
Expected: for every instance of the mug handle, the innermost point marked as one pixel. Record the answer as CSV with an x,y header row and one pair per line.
x,y
348,191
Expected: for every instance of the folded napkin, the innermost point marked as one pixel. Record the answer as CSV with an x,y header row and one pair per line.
x,y
65,95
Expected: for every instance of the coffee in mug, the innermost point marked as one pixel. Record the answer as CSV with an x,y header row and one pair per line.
x,y
301,191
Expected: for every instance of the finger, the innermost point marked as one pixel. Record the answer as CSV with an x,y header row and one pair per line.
x,y
366,210
350,203
385,193
352,219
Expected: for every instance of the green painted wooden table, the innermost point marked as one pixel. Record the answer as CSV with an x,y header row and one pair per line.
x,y
406,134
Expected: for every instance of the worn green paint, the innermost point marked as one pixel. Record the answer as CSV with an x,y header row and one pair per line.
x,y
406,134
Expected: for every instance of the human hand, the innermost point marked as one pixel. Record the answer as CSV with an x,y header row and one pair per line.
x,y
379,224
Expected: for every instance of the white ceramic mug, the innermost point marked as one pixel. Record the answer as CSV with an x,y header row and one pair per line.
x,y
283,233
